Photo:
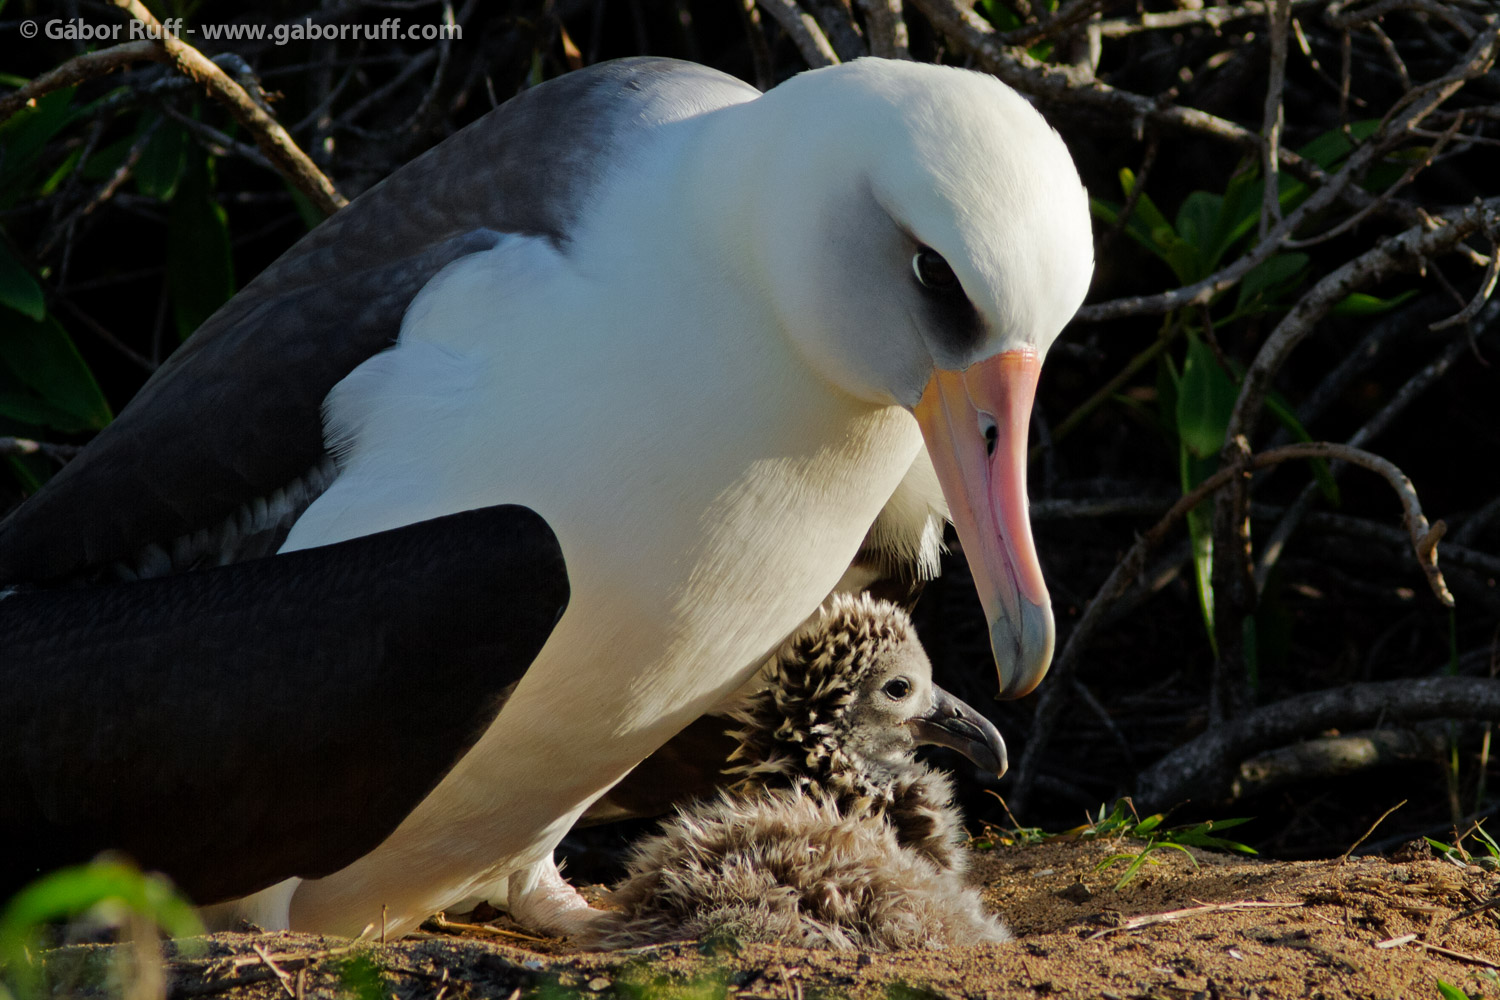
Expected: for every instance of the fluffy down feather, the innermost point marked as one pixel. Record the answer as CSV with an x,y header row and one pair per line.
x,y
821,841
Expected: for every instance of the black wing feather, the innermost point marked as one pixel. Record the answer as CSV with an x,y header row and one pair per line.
x,y
238,726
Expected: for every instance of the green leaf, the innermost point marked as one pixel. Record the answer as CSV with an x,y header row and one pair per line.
x,y
1148,824
1137,861
1321,472
1205,399
1200,523
23,138
1150,228
1240,212
999,15
1360,304
107,159
361,977
69,892
163,160
1451,992
1227,824
59,174
1441,847
1199,836
1167,381
1333,145
200,268
42,356
33,410
1198,221
1270,279
18,289
312,216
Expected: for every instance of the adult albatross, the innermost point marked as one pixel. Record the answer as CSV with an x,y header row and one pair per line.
x,y
687,324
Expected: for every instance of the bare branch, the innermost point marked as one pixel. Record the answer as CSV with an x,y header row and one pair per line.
x,y
1408,251
1208,17
973,35
81,68
1050,704
803,31
839,28
1410,110
290,161
1016,67
26,446
1351,221
1070,15
1486,289
1368,15
1280,16
760,50
889,38
1206,767
1419,383
1328,757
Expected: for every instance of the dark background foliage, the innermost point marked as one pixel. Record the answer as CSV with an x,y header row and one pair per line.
x,y
132,205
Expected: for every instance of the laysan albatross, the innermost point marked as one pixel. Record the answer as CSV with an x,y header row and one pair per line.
x,y
687,324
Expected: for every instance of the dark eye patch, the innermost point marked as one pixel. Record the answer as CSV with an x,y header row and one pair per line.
x,y
950,312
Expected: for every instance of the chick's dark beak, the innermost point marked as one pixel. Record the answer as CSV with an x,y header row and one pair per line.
x,y
955,725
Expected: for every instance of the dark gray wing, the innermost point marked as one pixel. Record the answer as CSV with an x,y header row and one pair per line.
x,y
234,415
238,726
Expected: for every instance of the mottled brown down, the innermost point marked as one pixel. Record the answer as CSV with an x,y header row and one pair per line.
x,y
832,835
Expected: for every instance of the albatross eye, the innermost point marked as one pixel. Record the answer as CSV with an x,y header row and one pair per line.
x,y
897,688
933,271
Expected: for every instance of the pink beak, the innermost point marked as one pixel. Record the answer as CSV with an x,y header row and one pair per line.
x,y
975,423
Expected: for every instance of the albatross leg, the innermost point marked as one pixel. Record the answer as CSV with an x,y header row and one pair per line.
x,y
539,898
269,908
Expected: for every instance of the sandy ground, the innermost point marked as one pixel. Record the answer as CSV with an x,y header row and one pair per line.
x,y
1227,927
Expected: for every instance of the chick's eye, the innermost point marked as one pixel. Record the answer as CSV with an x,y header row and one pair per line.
x,y
897,688
933,271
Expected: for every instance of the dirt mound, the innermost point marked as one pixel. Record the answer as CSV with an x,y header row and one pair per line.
x,y
1213,926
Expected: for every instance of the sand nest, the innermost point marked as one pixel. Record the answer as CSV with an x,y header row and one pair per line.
x,y
1229,927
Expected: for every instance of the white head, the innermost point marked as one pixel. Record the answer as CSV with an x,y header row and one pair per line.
x,y
924,237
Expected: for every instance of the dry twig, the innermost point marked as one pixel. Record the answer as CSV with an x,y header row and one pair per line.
x,y
290,161
25,446
1459,956
442,923
1373,827
1202,909
286,980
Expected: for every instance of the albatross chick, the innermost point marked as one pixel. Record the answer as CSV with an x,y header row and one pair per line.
x,y
832,834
